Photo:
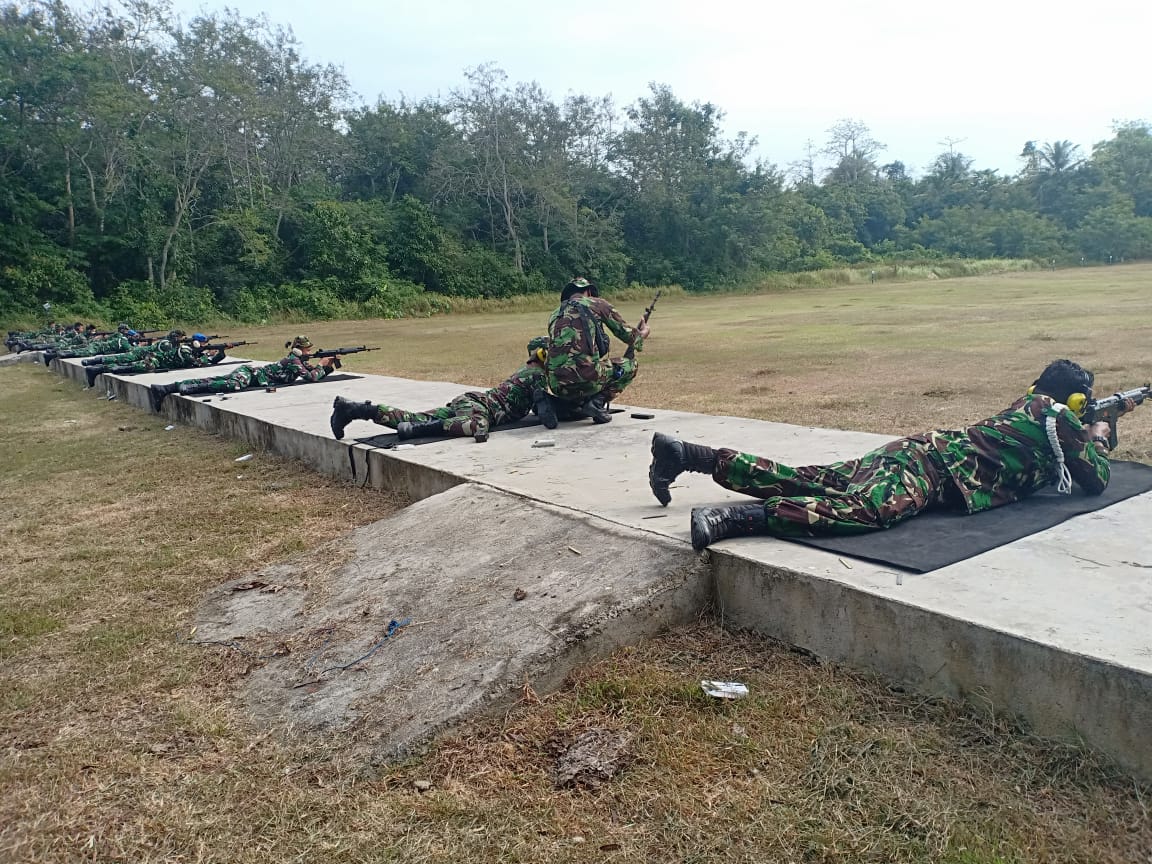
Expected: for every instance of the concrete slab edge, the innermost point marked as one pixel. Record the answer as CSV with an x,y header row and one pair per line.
x,y
1061,694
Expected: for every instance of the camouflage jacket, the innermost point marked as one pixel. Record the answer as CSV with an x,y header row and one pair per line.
x,y
510,400
113,344
174,355
293,368
577,330
1008,456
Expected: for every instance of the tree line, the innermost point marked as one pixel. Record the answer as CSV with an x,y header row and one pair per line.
x,y
152,169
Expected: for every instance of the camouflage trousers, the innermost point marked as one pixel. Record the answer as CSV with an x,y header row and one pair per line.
x,y
461,417
112,346
878,490
238,379
133,356
624,371
579,377
148,363
584,377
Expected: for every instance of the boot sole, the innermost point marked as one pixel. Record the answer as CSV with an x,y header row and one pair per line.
x,y
659,488
547,414
700,535
337,433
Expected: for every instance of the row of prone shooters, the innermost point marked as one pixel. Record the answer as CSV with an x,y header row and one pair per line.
x,y
54,335
474,413
177,350
131,352
569,374
125,349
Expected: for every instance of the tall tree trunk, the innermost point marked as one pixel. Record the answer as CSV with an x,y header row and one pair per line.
x,y
71,204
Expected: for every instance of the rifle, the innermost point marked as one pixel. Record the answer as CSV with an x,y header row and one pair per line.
x,y
1110,408
115,332
225,346
338,353
630,351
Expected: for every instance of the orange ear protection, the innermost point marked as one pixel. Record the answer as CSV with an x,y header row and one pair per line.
x,y
1076,403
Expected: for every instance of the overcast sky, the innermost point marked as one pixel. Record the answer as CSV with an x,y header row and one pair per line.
x,y
990,75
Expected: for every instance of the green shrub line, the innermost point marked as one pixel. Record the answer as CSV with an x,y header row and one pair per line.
x,y
141,305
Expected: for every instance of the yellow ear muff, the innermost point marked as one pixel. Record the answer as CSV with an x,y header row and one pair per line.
x,y
1076,403
541,355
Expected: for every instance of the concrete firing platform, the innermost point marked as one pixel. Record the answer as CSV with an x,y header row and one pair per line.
x,y
1056,627
13,358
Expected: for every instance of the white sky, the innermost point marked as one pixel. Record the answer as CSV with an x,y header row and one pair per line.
x,y
994,74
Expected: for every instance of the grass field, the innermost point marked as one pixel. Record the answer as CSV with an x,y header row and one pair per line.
x,y
120,740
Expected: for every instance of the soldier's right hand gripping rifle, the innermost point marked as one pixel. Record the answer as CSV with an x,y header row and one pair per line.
x,y
630,351
1112,408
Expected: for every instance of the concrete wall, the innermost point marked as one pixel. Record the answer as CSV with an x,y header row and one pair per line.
x,y
1061,694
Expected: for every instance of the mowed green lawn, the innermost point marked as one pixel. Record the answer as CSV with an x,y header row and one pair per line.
x,y
891,357
121,741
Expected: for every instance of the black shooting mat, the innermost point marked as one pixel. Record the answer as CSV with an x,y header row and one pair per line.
x,y
938,538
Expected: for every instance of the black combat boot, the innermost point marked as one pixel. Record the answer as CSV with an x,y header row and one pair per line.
x,y
426,429
344,411
670,456
49,356
91,373
191,388
157,393
543,406
710,524
92,361
597,409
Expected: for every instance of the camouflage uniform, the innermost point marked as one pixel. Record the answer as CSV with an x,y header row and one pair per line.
x,y
578,365
132,355
114,344
624,371
291,368
995,462
72,339
161,356
474,412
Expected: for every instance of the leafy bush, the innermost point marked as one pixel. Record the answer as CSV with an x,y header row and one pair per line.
x,y
45,278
